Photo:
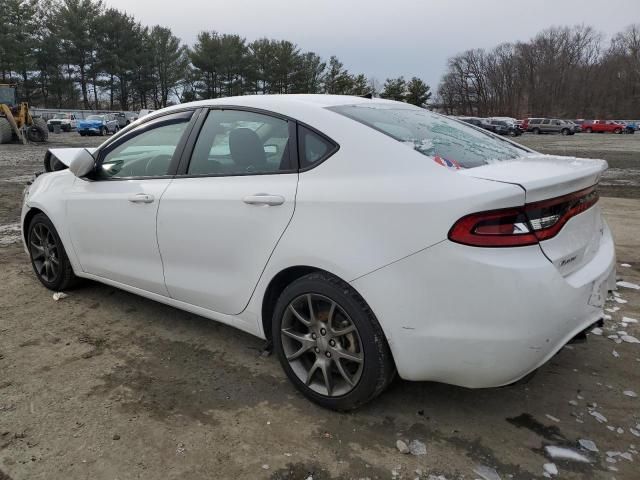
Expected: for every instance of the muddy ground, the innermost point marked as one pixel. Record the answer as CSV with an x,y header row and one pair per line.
x,y
107,385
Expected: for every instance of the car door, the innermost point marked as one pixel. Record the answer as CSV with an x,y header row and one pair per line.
x,y
545,125
111,217
222,216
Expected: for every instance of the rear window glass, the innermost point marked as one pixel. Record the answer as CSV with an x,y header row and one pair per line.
x,y
432,134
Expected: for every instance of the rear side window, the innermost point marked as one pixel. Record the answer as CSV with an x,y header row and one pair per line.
x,y
433,135
314,148
237,142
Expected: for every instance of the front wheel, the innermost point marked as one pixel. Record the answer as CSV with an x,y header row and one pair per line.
x,y
617,130
565,131
103,131
536,131
588,130
330,344
48,257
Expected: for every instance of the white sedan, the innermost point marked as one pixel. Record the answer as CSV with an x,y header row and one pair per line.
x,y
360,237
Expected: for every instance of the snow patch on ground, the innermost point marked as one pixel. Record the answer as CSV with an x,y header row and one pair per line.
x,y
9,234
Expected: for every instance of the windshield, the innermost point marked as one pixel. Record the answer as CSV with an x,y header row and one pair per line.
x,y
95,117
60,115
432,134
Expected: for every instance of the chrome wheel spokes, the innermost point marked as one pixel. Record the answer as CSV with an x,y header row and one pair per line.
x,y
44,252
322,344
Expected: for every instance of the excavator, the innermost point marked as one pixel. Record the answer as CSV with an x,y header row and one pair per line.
x,y
16,122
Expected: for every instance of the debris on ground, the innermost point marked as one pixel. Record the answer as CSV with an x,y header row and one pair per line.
x,y
628,285
630,393
588,445
563,453
598,416
416,447
402,447
629,339
550,470
487,473
597,331
59,296
552,418
626,265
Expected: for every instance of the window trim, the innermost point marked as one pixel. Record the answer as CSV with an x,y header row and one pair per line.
x,y
140,129
185,160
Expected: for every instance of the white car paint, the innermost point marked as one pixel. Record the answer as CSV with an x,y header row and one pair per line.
x,y
375,214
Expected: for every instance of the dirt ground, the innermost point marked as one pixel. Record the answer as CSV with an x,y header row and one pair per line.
x,y
107,385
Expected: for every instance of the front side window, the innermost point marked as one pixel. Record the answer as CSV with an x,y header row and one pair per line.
x,y
149,152
235,142
432,134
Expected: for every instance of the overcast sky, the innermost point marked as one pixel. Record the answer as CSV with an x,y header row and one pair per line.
x,y
383,38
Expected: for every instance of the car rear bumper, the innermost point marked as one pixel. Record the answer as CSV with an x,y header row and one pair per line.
x,y
479,317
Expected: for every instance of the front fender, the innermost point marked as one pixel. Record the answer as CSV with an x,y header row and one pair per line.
x,y
47,194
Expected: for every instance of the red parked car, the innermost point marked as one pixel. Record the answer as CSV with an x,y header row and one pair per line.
x,y
601,126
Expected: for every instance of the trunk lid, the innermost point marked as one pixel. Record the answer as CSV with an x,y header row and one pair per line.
x,y
545,177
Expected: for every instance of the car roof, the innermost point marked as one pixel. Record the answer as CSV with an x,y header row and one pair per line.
x,y
275,101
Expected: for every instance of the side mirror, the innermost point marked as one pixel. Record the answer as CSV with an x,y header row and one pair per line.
x,y
82,164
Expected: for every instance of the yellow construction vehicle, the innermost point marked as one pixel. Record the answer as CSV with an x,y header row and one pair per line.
x,y
16,122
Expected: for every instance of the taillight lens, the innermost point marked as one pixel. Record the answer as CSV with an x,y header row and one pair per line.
x,y
520,226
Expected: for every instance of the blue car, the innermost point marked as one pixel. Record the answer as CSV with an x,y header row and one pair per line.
x,y
98,125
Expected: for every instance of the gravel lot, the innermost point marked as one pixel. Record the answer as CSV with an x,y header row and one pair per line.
x,y
107,385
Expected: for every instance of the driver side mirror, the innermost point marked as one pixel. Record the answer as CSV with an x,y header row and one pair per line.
x,y
82,164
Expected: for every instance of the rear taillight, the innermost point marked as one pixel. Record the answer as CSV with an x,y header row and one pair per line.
x,y
520,226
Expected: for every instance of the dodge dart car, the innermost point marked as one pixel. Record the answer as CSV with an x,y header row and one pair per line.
x,y
360,237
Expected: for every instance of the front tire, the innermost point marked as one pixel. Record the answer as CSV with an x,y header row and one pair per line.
x,y
330,344
103,131
536,131
48,257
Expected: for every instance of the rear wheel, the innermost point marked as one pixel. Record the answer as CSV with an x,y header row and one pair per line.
x,y
536,131
588,130
48,257
103,131
38,131
6,132
330,344
617,130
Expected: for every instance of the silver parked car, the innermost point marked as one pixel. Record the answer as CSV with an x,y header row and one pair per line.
x,y
552,125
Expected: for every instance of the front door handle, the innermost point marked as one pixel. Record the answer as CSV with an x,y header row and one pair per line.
x,y
141,198
264,199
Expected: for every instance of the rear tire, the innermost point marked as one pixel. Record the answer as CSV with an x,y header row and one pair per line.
x,y
48,256
536,131
617,130
588,130
103,131
6,132
38,131
338,368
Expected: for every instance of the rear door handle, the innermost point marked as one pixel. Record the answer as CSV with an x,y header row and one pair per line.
x,y
141,198
264,199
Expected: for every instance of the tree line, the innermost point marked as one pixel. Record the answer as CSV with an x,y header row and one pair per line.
x,y
566,72
81,54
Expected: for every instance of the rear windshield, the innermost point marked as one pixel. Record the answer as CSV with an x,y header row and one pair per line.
x,y
432,134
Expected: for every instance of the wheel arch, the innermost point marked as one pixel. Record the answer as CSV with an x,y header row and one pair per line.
x,y
27,220
275,287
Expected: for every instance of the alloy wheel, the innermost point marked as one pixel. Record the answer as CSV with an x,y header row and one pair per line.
x,y
45,252
322,345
